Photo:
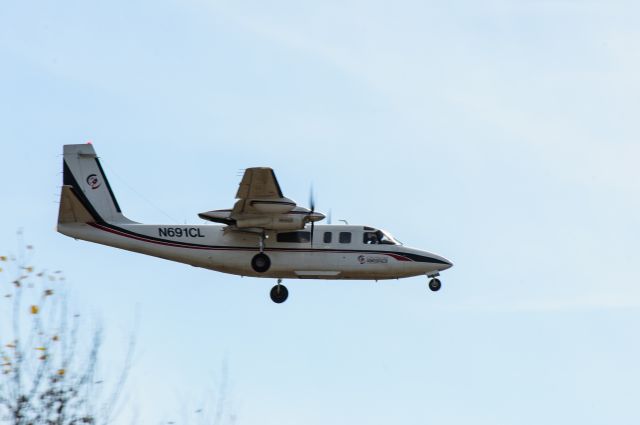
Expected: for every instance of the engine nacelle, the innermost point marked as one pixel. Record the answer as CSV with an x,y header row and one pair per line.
x,y
273,206
276,222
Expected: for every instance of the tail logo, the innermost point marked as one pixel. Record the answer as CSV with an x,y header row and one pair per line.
x,y
93,181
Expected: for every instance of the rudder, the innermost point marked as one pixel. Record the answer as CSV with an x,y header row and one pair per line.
x,y
82,171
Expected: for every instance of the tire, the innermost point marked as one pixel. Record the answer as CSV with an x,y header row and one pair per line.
x,y
435,285
260,263
279,294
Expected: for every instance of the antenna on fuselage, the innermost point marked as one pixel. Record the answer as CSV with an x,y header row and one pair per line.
x,y
345,222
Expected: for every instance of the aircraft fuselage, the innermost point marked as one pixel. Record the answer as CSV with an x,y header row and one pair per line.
x,y
213,247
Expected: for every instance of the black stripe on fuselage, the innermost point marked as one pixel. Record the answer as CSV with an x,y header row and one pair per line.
x,y
140,236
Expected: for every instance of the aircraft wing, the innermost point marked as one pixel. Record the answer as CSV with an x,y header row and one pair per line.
x,y
259,183
259,193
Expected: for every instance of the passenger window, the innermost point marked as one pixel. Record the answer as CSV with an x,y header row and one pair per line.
x,y
345,237
327,237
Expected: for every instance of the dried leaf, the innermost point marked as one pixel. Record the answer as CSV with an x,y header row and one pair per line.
x,y
3,258
34,309
48,292
61,372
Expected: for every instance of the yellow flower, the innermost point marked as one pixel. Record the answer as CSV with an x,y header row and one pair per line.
x,y
34,309
61,372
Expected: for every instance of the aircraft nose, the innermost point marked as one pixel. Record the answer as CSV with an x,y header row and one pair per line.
x,y
445,264
448,264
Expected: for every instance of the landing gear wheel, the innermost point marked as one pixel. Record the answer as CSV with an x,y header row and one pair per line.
x,y
435,284
260,263
279,294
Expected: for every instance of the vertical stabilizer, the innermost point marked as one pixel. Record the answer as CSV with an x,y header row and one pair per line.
x,y
82,171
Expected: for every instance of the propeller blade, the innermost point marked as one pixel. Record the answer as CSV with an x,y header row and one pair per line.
x,y
312,201
312,227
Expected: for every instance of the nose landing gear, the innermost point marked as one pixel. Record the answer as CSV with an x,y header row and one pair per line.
x,y
279,293
435,284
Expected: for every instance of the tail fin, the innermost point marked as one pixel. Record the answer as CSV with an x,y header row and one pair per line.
x,y
86,194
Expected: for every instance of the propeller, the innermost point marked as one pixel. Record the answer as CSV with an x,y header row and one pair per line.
x,y
312,207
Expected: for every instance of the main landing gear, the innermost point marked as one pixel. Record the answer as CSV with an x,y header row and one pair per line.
x,y
279,293
434,283
261,262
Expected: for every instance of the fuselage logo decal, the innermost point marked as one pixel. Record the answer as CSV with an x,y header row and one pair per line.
x,y
93,181
372,260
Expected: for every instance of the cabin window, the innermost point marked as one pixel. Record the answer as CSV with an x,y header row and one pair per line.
x,y
294,237
327,237
345,237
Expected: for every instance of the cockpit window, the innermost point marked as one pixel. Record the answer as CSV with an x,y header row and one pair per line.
x,y
378,237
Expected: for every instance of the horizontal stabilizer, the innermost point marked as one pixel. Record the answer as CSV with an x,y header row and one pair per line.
x,y
71,209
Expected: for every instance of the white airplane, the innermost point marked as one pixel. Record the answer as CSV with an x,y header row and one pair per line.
x,y
263,235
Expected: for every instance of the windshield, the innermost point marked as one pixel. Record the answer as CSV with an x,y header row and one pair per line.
x,y
374,237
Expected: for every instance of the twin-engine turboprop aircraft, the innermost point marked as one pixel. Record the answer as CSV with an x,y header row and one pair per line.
x,y
263,235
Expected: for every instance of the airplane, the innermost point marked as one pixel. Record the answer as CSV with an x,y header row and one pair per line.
x,y
264,235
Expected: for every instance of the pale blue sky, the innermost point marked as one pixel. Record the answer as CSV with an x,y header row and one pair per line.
x,y
500,134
